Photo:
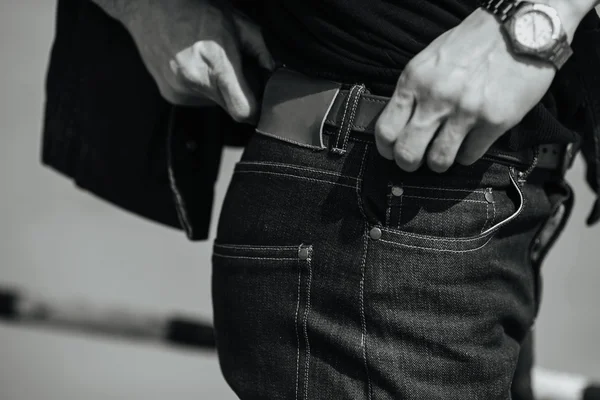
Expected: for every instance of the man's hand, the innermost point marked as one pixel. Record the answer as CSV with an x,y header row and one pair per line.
x,y
194,51
459,95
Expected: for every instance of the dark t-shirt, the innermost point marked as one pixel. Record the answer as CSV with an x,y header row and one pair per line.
x,y
367,41
371,41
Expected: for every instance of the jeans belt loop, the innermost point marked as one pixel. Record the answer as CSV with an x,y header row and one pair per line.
x,y
340,139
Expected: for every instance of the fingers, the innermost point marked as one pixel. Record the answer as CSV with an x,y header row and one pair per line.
x,y
430,118
478,142
214,71
447,143
393,119
240,101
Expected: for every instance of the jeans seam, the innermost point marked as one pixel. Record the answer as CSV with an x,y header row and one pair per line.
x,y
400,212
320,171
363,320
297,332
445,189
298,177
306,312
254,258
360,178
388,211
433,238
444,199
439,250
487,218
249,247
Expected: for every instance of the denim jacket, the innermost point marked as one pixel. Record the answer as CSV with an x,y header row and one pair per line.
x,y
107,127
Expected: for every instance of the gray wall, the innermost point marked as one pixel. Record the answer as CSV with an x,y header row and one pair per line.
x,y
58,241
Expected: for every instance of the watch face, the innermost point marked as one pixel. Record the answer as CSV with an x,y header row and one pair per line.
x,y
534,29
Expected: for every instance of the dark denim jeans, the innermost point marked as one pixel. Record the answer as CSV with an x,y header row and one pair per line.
x,y
343,277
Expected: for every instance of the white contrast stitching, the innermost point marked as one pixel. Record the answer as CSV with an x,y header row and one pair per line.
x,y
297,176
487,218
400,212
445,189
254,258
358,189
434,238
435,249
309,284
363,319
444,199
350,124
491,230
388,210
297,333
251,246
274,164
337,141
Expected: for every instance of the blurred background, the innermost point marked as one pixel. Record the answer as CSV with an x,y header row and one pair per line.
x,y
61,242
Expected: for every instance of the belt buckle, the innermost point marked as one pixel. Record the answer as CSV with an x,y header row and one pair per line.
x,y
556,157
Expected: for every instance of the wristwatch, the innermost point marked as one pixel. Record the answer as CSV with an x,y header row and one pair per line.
x,y
533,29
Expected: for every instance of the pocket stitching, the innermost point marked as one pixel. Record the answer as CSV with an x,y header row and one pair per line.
x,y
306,312
444,199
250,247
317,170
490,232
358,187
445,189
255,258
297,333
298,177
442,250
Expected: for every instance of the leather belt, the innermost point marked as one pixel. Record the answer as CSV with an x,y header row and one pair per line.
x,y
297,107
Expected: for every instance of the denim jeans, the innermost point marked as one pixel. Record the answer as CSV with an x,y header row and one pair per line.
x,y
343,277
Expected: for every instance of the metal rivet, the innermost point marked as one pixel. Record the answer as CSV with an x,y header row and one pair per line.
x,y
397,191
489,196
375,233
303,253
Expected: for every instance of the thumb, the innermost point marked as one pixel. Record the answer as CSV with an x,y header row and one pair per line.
x,y
252,42
240,101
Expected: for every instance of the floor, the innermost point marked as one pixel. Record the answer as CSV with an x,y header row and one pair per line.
x,y
62,242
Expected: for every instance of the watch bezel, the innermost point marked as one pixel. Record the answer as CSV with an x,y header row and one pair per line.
x,y
557,31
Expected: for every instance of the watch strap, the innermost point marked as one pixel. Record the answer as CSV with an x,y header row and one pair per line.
x,y
561,56
502,9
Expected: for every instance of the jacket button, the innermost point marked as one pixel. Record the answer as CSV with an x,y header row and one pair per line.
x,y
375,233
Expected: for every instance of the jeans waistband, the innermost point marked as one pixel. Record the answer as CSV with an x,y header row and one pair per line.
x,y
301,109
